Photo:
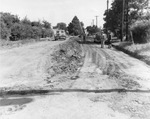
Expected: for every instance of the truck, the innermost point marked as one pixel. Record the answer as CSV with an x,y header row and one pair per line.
x,y
59,34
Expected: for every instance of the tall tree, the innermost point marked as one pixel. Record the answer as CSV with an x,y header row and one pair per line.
x,y
12,28
75,27
113,16
9,19
36,23
6,22
17,31
46,24
26,21
61,26
92,29
4,31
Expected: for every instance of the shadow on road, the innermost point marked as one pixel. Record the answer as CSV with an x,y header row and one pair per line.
x,y
88,42
19,101
54,91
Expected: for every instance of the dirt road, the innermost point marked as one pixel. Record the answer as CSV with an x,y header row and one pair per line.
x,y
25,65
111,85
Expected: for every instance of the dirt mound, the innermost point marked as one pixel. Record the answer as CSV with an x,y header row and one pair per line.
x,y
66,59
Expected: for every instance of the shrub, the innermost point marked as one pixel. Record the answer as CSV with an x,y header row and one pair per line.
x,y
141,31
4,31
13,29
16,31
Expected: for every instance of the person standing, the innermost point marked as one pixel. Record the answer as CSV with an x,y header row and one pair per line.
x,y
103,39
109,39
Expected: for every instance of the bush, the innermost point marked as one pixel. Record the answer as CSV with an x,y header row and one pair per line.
x,y
14,29
36,32
4,31
141,31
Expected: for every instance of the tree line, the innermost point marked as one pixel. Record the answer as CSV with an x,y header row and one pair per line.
x,y
13,28
138,18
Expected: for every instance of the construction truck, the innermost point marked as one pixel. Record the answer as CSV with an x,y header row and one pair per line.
x,y
59,34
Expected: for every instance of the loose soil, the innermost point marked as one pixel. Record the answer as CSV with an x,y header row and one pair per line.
x,y
109,85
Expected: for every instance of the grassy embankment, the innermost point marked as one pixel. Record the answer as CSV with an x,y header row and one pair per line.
x,y
11,44
140,51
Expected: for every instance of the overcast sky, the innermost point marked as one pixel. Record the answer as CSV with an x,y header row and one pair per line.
x,y
55,11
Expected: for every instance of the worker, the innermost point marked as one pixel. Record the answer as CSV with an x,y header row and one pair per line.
x,y
103,39
109,39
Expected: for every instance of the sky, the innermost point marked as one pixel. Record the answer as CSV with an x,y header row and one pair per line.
x,y
55,11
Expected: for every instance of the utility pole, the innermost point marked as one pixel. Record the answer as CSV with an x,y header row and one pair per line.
x,y
122,26
127,19
96,21
107,17
93,22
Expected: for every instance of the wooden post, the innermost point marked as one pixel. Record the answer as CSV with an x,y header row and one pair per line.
x,y
107,18
122,26
127,24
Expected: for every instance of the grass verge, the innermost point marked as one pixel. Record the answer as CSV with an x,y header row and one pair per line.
x,y
11,44
139,51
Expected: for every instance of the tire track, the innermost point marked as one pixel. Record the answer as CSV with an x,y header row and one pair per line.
x,y
114,60
107,65
102,63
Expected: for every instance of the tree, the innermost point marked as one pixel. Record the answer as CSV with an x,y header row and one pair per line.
x,y
27,28
92,29
75,27
16,31
113,17
36,23
141,31
9,19
26,21
6,22
61,26
46,24
11,27
27,31
4,31
36,32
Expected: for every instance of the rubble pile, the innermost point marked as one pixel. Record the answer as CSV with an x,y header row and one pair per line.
x,y
66,59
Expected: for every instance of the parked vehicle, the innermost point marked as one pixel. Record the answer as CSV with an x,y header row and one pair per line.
x,y
59,34
97,37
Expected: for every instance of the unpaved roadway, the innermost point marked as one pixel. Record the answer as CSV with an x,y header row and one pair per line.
x,y
110,85
25,65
